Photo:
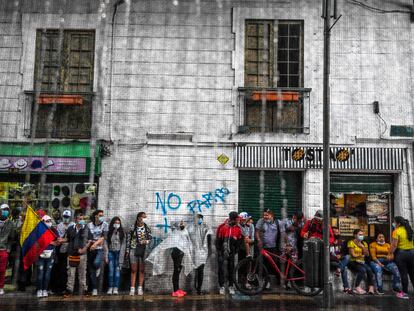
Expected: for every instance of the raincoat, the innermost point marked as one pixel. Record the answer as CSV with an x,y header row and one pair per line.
x,y
199,238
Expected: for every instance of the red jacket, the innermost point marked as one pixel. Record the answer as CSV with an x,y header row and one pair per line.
x,y
225,232
315,230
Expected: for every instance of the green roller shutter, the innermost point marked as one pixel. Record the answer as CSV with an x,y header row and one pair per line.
x,y
362,183
249,192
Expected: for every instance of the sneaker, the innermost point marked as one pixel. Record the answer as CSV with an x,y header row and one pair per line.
x,y
177,294
132,291
45,293
110,291
267,285
348,291
98,272
95,292
380,291
115,292
396,290
140,291
231,290
39,293
1,291
182,292
402,295
222,291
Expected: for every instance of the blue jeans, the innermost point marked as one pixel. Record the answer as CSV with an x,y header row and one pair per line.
x,y
94,263
44,269
114,270
342,264
391,267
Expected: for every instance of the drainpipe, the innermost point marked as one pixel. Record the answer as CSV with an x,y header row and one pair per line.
x,y
409,158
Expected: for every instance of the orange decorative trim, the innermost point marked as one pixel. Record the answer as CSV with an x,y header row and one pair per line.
x,y
274,96
60,99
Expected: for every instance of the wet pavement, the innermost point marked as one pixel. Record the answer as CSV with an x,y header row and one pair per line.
x,y
282,302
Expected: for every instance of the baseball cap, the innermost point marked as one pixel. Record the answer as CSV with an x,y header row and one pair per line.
x,y
66,213
4,206
319,214
46,218
244,215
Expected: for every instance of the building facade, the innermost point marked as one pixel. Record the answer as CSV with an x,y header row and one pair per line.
x,y
209,106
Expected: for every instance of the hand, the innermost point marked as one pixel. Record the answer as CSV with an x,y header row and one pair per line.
x,y
81,251
306,235
260,243
380,264
390,257
93,247
106,260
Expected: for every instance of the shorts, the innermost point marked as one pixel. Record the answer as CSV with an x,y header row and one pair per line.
x,y
133,259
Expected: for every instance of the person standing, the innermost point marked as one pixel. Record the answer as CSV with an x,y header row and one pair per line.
x,y
229,238
248,232
403,248
290,232
99,230
314,228
7,234
114,254
200,235
138,238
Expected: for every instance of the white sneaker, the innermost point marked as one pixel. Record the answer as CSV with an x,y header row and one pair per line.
x,y
98,271
231,290
95,292
39,293
110,290
140,291
1,291
45,293
222,291
132,291
115,292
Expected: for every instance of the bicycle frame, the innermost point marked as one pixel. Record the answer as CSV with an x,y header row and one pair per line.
x,y
283,260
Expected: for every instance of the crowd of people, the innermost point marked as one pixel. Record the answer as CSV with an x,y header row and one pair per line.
x,y
84,245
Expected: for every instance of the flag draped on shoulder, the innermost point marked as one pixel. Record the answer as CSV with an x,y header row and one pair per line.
x,y
34,238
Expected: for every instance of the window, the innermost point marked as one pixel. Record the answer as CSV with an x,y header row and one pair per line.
x,y
273,73
64,69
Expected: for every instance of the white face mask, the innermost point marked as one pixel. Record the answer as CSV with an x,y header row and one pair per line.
x,y
360,237
117,226
48,224
380,243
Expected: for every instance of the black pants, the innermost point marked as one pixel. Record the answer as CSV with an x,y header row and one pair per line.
x,y
199,276
225,271
59,275
405,263
362,269
177,257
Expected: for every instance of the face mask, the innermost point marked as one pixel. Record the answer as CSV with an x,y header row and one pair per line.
x,y
81,222
48,224
117,226
380,243
5,213
200,221
394,225
101,219
360,237
66,220
182,227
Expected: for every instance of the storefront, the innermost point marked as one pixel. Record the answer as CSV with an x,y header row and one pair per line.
x,y
67,168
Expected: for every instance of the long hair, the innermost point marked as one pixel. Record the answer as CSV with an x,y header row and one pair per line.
x,y
112,229
406,224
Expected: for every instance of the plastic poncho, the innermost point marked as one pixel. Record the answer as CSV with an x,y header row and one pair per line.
x,y
198,235
160,257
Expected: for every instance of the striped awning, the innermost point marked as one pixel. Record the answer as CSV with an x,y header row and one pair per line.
x,y
311,157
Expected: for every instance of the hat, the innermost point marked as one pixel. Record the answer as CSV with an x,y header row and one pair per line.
x,y
56,215
74,200
80,188
67,213
4,206
55,203
40,212
36,164
83,202
66,202
233,215
46,217
244,215
200,215
56,190
319,214
65,191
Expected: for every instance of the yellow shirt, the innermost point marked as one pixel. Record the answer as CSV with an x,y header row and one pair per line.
x,y
379,251
400,234
357,251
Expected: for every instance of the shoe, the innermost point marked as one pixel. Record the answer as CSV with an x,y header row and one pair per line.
x,y
98,272
222,291
39,293
267,285
67,294
115,292
140,291
402,295
1,291
348,291
201,292
248,286
110,291
95,292
182,292
380,291
177,294
132,291
231,290
396,290
359,291
337,273
45,293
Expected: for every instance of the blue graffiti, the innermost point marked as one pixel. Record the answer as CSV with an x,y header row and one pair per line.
x,y
164,226
219,195
173,202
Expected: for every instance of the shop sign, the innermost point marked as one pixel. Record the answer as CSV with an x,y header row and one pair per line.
x,y
347,225
38,164
377,208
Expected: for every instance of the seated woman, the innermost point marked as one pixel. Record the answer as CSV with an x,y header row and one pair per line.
x,y
358,250
339,259
382,258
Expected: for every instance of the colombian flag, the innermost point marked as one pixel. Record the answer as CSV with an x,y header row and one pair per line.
x,y
34,238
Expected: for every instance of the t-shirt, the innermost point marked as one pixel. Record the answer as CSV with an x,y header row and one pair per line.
x,y
400,234
357,251
379,251
270,232
98,231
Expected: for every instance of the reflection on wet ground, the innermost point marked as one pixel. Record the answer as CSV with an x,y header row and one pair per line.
x,y
209,302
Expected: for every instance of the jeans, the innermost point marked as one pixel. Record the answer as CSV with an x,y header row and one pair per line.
x,y
342,264
362,269
177,257
225,270
391,267
114,270
44,269
405,263
4,255
94,263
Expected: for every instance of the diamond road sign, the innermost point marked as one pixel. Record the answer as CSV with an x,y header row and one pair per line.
x,y
223,159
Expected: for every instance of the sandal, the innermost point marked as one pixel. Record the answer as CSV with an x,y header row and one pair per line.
x,y
359,291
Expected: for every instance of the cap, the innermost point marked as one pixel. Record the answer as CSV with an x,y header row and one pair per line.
x,y
66,213
4,206
200,215
319,214
233,215
244,215
46,218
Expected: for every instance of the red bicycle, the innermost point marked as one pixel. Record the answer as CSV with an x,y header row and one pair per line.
x,y
251,275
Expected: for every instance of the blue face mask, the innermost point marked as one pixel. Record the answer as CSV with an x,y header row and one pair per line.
x,y
5,213
81,222
200,221
101,219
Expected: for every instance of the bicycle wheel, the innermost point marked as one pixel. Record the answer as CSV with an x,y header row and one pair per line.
x,y
297,279
250,276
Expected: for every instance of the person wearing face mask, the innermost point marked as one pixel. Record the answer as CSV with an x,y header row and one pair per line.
x,y
59,271
114,254
45,262
358,250
314,228
339,259
402,246
200,235
138,238
382,258
99,230
290,232
179,247
7,235
78,239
